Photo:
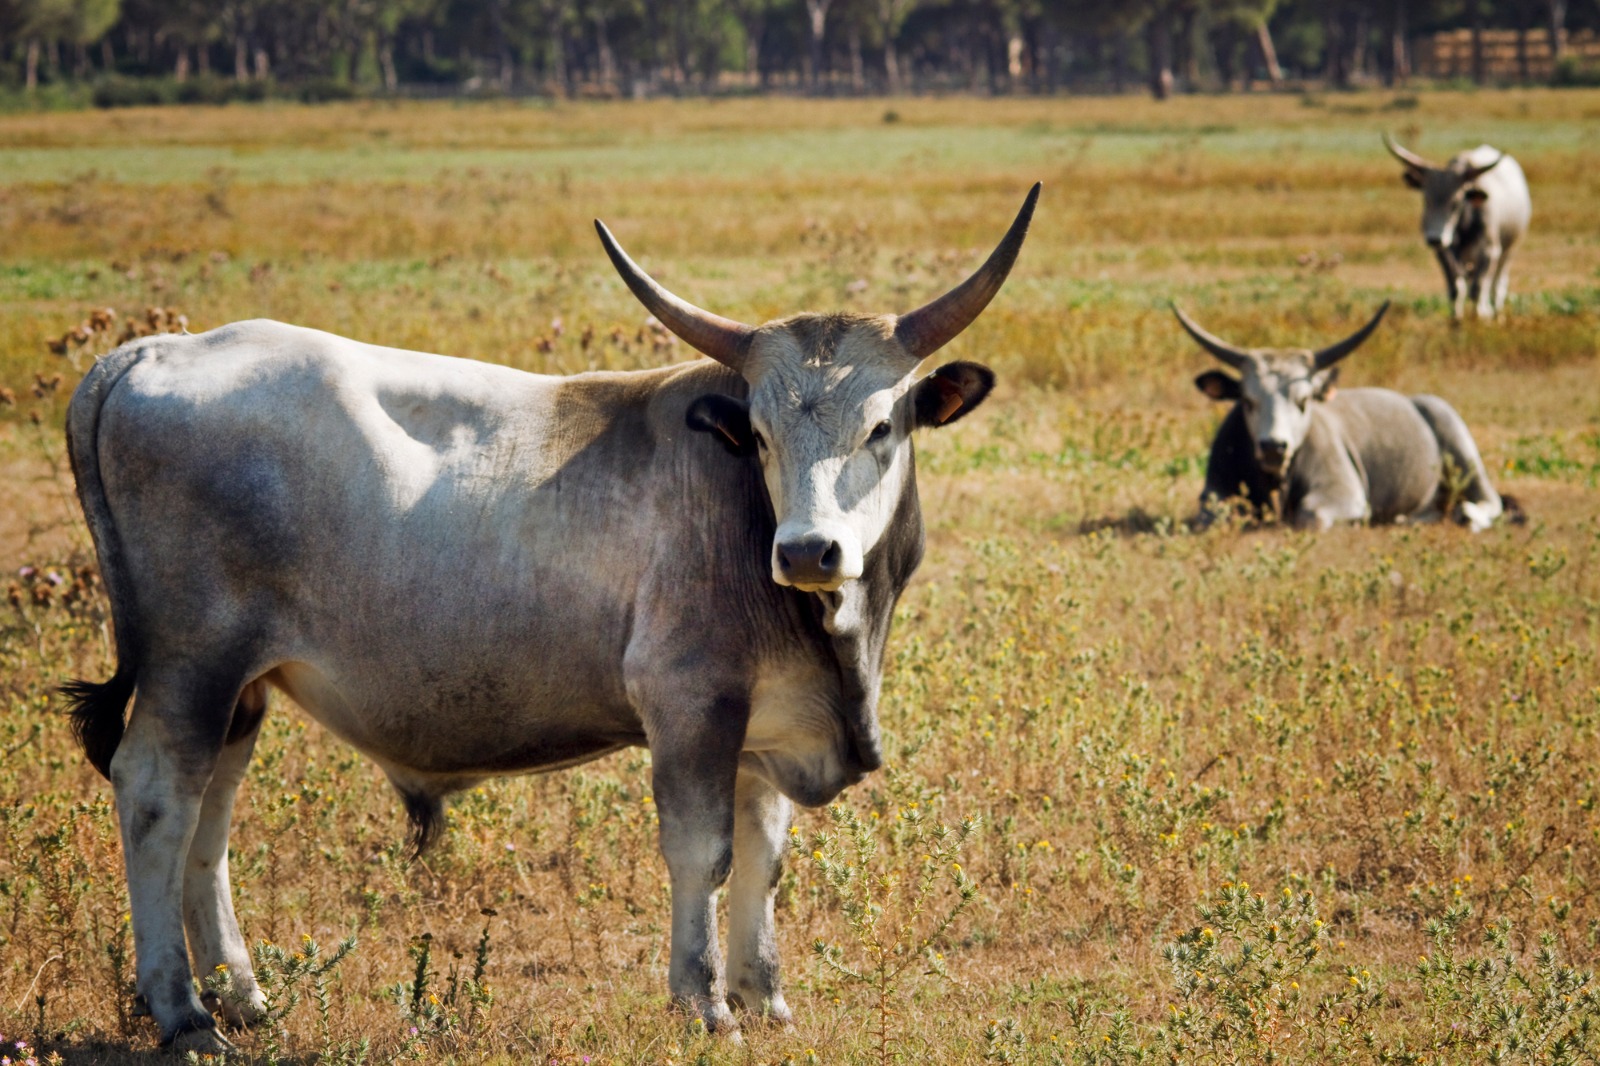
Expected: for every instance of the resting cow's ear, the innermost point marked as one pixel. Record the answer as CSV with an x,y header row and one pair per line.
x,y
950,392
1477,196
1325,384
726,419
1218,386
1411,178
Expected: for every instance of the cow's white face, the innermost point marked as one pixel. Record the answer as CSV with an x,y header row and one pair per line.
x,y
1447,195
1276,391
833,401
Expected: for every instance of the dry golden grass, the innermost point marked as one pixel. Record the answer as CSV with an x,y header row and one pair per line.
x,y
1393,721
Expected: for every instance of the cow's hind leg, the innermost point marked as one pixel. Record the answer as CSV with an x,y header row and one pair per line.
x,y
1476,504
214,939
161,773
761,819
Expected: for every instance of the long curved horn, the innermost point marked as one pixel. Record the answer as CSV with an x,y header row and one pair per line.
x,y
933,325
1234,357
722,339
1409,158
1332,354
1474,173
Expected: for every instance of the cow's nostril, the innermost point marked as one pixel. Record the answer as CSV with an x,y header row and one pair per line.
x,y
810,560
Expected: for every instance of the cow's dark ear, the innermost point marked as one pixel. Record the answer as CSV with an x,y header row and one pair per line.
x,y
726,419
950,392
1218,386
1326,384
1477,196
1411,178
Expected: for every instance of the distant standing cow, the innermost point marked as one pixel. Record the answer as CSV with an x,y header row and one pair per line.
x,y
1335,455
1474,211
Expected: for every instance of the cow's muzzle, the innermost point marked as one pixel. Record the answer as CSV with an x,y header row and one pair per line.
x,y
810,563
1273,455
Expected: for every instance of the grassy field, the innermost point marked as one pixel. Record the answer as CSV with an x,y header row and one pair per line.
x,y
1249,795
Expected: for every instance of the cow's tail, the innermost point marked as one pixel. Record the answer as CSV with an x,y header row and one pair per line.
x,y
97,708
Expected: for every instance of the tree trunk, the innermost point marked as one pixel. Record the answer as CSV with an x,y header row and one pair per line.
x,y
817,21
1558,31
608,61
31,79
108,57
1158,39
858,73
241,59
263,65
1269,55
202,56
1475,9
891,63
180,71
1400,52
391,76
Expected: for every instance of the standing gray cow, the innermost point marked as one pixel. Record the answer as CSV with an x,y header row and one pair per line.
x,y
465,570
1474,211
1335,455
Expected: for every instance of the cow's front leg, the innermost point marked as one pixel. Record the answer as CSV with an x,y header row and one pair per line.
x,y
694,760
1483,281
1454,290
760,835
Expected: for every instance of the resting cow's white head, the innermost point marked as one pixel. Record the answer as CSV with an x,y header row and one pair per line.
x,y
1447,192
1276,387
833,399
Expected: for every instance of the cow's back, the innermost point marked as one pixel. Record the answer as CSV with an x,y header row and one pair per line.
x,y
440,558
1397,453
1509,208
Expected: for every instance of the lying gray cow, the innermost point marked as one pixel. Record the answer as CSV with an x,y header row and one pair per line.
x,y
465,570
1474,211
1335,455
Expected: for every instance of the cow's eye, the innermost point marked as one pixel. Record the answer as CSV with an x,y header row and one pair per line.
x,y
761,442
879,431
1249,404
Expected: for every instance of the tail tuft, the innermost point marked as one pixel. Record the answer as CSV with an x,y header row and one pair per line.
x,y
427,820
97,715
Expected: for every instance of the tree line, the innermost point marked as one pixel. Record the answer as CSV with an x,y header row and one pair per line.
x,y
656,47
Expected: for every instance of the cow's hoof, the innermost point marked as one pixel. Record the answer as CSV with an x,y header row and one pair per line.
x,y
765,1010
712,1017
201,1039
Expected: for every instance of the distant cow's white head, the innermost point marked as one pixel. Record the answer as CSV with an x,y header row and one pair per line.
x,y
832,402
1447,192
1276,387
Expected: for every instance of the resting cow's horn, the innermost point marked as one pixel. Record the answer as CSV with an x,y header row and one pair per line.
x,y
1410,159
1332,354
722,339
931,326
1234,357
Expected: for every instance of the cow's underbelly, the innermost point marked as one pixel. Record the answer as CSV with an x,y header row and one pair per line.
x,y
459,727
796,741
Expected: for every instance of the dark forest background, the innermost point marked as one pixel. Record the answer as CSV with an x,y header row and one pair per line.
x,y
147,51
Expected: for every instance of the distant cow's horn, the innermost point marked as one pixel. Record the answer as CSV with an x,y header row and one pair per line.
x,y
722,339
1474,173
1410,159
931,326
1328,356
1234,357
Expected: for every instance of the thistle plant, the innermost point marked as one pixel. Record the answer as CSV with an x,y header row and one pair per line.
x,y
886,875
